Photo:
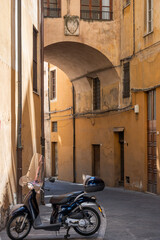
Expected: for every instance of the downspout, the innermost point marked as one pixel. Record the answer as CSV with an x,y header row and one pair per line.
x,y
74,135
19,142
42,89
42,81
133,27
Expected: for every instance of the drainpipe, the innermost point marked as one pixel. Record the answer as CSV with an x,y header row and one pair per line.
x,y
42,88
74,136
42,81
133,27
19,142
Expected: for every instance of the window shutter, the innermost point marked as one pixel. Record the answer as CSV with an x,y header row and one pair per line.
x,y
96,94
150,15
50,85
145,16
34,60
54,84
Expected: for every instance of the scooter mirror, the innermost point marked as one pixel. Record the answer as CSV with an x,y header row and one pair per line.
x,y
51,179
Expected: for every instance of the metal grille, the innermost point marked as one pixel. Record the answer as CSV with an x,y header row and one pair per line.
x,y
96,10
52,8
126,80
96,94
34,60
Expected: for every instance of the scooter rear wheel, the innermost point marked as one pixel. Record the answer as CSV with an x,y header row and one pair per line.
x,y
14,228
92,219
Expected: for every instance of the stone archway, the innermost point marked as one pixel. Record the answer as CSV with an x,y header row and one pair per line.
x,y
79,61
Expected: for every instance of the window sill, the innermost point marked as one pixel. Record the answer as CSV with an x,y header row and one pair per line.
x,y
36,93
96,111
98,20
147,34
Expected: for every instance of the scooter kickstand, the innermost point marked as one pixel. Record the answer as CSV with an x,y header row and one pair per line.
x,y
67,234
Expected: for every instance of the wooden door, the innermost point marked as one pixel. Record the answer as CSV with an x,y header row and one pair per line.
x,y
96,160
151,142
54,159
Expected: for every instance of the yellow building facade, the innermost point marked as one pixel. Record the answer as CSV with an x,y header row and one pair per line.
x,y
20,91
110,53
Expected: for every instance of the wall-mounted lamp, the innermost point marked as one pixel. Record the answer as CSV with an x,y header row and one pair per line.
x,y
136,108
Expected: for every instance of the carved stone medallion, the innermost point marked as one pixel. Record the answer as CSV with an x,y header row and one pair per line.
x,y
71,25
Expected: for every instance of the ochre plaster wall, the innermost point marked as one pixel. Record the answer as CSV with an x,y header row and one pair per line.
x,y
31,102
120,41
64,134
104,36
100,130
7,110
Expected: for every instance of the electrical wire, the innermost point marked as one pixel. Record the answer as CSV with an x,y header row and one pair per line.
x,y
57,111
93,114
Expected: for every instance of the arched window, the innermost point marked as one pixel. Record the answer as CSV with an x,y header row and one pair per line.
x,y
96,9
52,8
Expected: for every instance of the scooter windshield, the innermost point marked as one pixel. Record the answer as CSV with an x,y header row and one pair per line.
x,y
35,174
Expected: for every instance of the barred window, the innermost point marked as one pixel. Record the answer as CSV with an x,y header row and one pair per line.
x,y
126,80
54,126
52,8
96,9
96,93
34,59
53,85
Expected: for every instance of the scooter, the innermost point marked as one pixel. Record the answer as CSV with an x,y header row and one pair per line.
x,y
68,210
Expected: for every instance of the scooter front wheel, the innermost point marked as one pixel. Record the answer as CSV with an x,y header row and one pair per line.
x,y
90,223
18,227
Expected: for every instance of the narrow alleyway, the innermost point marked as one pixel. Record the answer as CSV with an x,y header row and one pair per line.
x,y
130,215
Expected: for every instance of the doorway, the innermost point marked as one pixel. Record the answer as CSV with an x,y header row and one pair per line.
x,y
96,160
121,142
152,143
119,156
54,159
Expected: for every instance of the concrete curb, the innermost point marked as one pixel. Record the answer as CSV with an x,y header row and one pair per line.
x,y
103,226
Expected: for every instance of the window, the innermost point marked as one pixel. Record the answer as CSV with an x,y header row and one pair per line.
x,y
126,80
53,91
52,8
96,93
148,16
34,60
54,126
96,9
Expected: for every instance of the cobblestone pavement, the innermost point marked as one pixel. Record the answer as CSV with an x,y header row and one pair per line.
x,y
129,215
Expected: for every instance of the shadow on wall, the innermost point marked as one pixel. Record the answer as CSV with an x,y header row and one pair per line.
x,y
31,125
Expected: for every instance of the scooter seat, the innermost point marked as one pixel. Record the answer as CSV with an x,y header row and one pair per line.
x,y
62,199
